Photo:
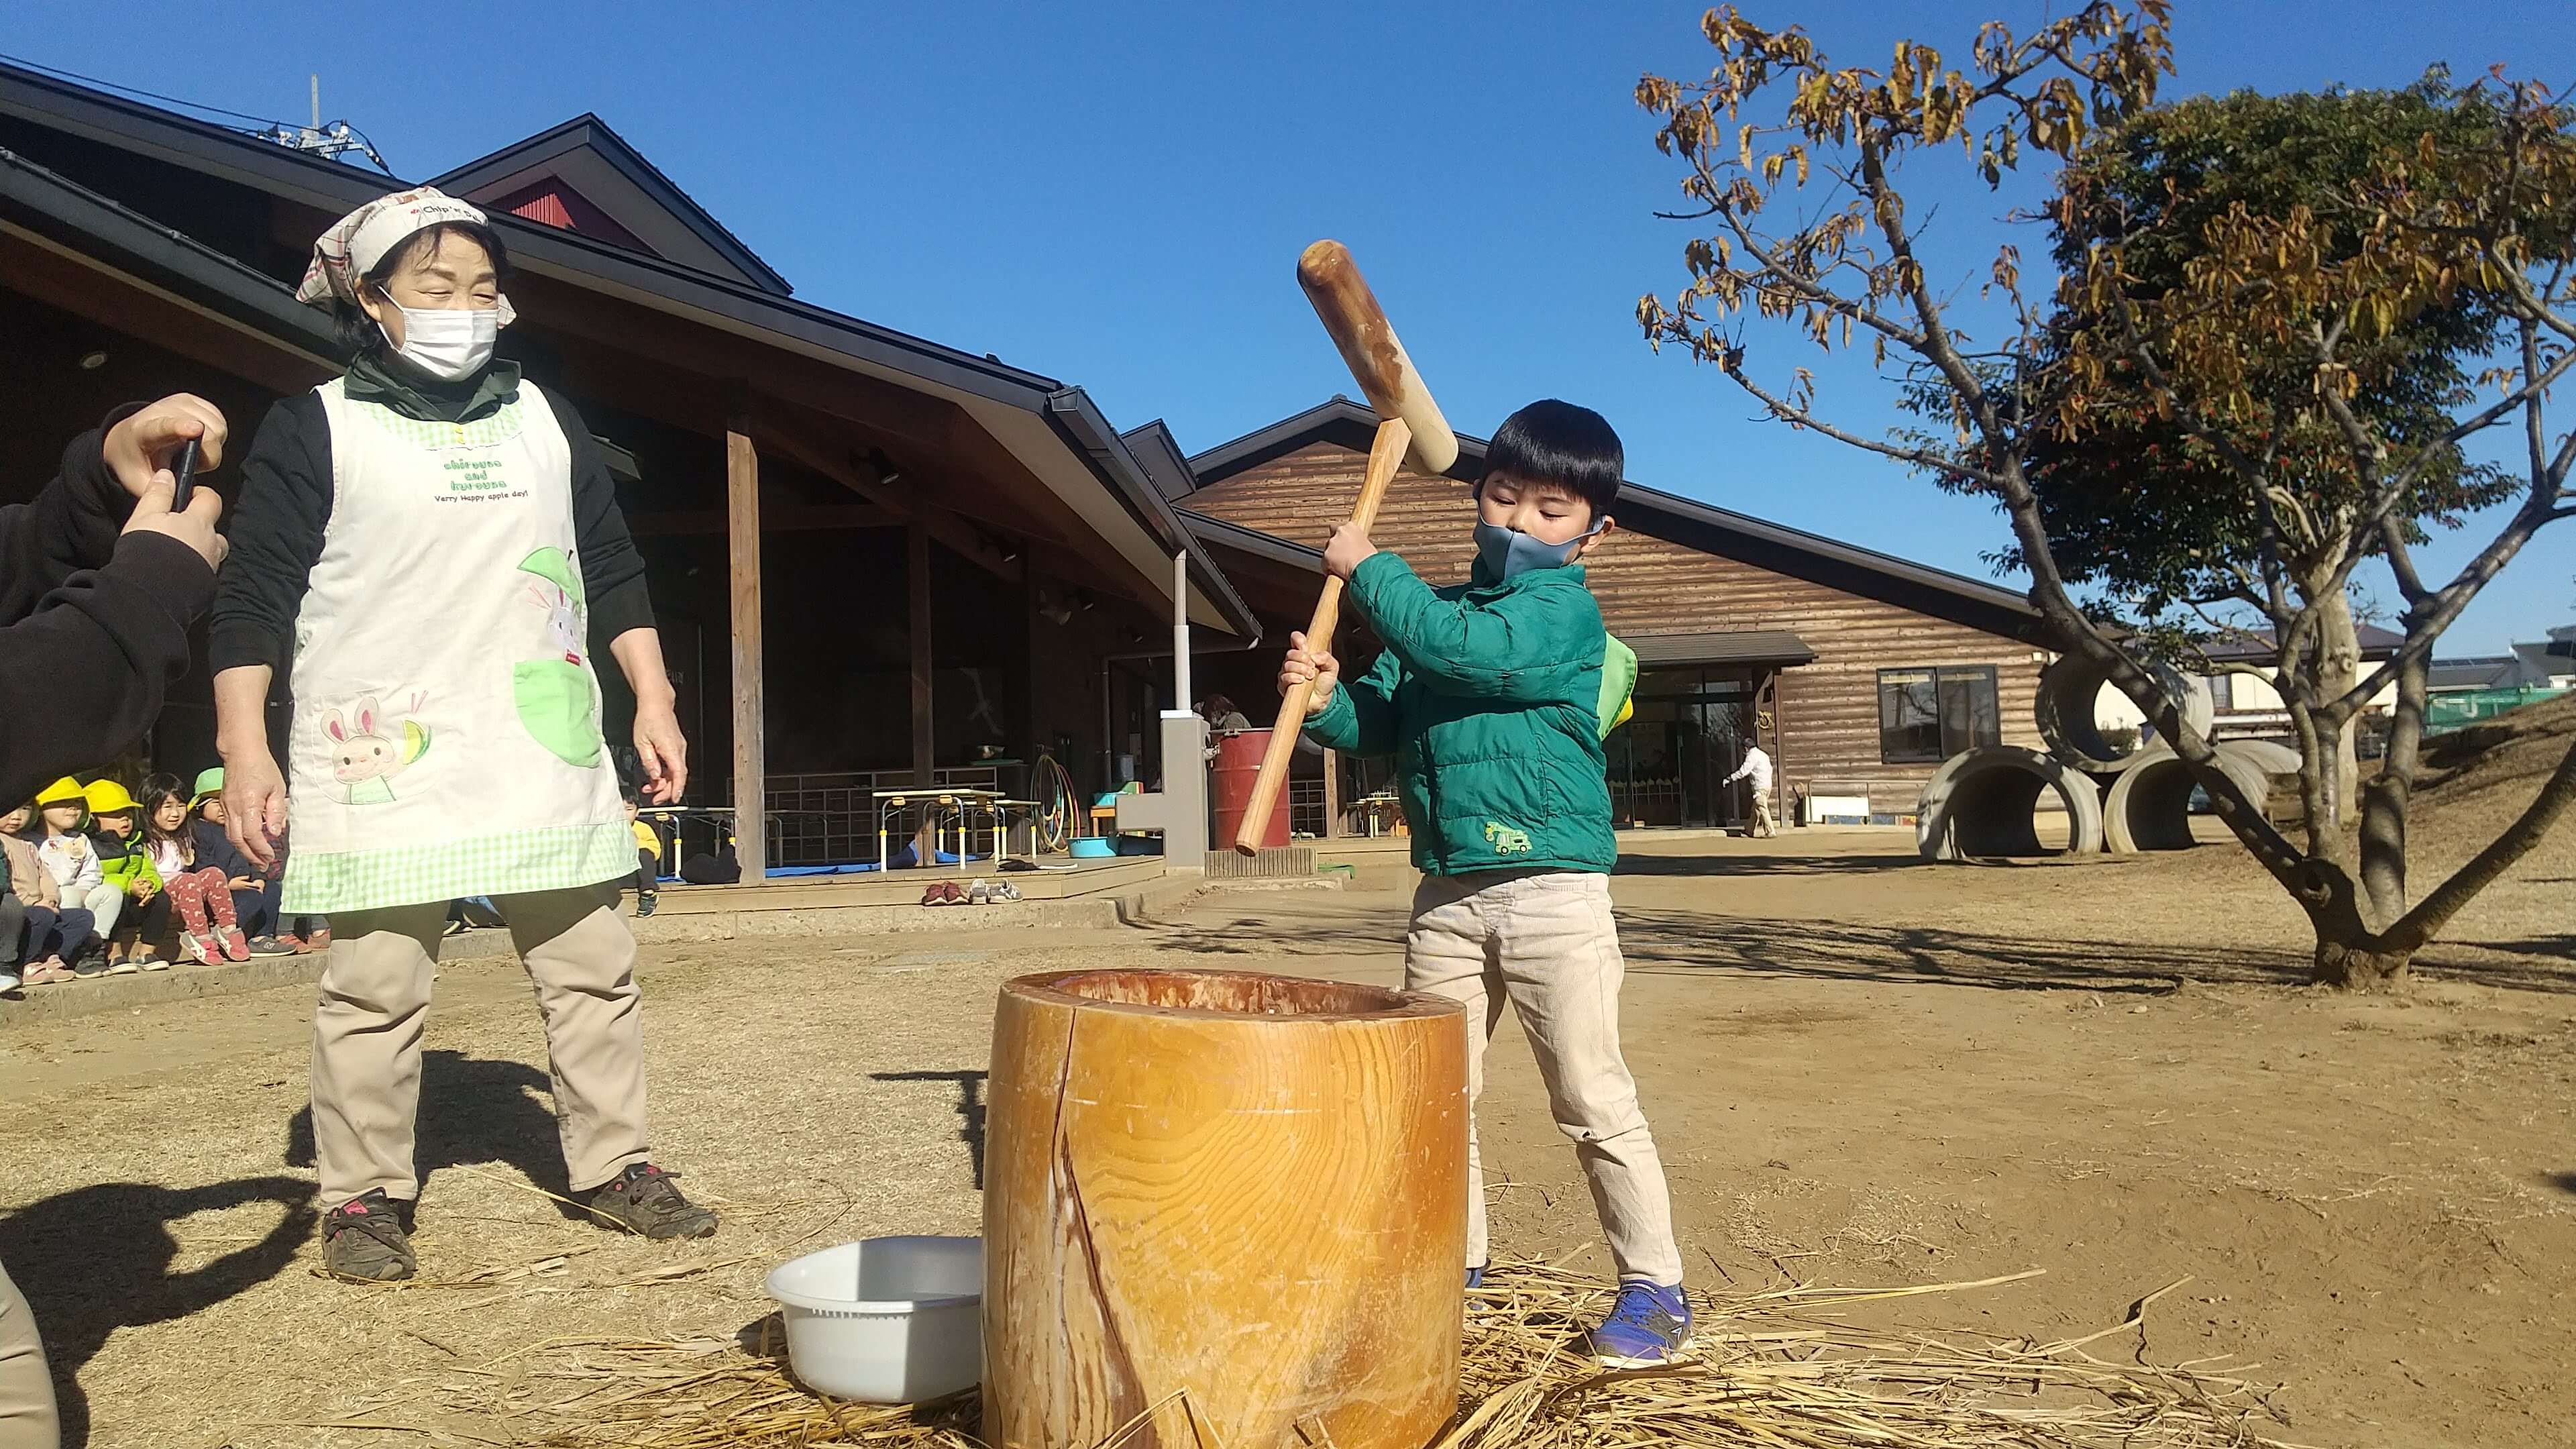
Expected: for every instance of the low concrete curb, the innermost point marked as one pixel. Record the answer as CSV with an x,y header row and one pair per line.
x,y
189,981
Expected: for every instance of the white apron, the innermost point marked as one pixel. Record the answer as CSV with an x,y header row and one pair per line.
x,y
445,740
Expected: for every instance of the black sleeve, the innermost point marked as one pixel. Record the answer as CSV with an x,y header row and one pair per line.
x,y
91,660
612,572
276,535
71,525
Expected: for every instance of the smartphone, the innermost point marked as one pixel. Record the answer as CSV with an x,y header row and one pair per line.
x,y
184,469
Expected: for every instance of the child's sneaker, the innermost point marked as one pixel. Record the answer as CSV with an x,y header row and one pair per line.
x,y
201,947
154,963
1648,1327
644,1200
1475,1279
236,946
272,946
646,902
123,966
318,939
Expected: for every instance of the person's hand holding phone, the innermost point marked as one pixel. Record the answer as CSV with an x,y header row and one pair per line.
x,y
145,453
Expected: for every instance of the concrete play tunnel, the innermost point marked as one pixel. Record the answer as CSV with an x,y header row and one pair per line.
x,y
2069,692
1985,803
2149,803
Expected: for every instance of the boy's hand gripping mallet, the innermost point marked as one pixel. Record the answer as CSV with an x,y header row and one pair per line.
x,y
1411,429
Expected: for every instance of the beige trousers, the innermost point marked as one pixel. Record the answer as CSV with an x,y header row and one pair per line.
x,y
375,1000
1545,942
27,1416
1762,815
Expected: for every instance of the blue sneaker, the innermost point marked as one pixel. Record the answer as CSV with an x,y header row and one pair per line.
x,y
1475,1279
1648,1327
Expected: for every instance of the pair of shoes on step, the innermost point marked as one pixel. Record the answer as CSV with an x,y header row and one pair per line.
x,y
975,893
368,1238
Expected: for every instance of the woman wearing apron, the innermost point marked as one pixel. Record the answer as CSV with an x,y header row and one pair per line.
x,y
430,543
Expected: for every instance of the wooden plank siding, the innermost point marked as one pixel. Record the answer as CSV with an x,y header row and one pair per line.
x,y
1827,723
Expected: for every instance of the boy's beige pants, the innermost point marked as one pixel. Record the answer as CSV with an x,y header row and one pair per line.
x,y
27,1416
1545,942
375,1000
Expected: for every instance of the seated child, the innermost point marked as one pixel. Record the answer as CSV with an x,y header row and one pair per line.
x,y
254,907
144,914
648,860
1494,696
210,928
52,935
65,851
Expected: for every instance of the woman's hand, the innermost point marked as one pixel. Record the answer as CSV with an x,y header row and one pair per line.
x,y
663,751
254,805
1304,666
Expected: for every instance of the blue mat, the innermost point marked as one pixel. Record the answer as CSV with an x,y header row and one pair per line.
x,y
903,861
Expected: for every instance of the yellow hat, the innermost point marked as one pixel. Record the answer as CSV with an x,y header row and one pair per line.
x,y
65,791
106,797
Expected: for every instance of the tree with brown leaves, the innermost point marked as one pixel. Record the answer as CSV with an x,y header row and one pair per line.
x,y
2475,217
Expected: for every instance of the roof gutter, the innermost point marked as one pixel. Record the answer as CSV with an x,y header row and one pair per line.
x,y
1078,420
61,211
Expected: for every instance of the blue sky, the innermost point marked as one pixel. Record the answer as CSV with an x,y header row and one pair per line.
x,y
1114,194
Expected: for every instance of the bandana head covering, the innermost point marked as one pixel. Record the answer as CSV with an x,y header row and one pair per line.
x,y
355,243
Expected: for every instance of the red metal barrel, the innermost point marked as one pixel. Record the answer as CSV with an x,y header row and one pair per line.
x,y
1238,764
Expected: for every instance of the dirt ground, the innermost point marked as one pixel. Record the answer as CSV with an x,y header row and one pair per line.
x,y
1862,1069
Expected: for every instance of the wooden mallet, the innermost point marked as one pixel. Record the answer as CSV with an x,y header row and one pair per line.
x,y
1411,430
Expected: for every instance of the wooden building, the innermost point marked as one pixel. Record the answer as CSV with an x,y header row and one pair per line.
x,y
874,559
1858,671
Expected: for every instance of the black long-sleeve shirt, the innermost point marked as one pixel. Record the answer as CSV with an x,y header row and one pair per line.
x,y
93,625
286,503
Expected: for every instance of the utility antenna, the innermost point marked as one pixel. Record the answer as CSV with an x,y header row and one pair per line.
x,y
335,139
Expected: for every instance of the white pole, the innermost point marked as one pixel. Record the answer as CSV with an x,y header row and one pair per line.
x,y
1181,633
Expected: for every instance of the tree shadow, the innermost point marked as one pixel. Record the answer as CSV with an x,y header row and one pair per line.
x,y
1726,865
970,1108
97,1259
2563,1181
473,1110
1687,942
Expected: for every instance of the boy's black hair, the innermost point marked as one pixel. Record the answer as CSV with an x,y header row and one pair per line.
x,y
358,331
1556,442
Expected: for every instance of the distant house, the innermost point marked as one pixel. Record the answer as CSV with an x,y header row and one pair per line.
x,y
2482,687
1858,671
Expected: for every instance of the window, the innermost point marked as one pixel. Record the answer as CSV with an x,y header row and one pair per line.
x,y
1927,715
2222,691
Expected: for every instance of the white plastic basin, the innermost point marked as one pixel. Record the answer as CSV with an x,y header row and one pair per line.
x,y
885,1320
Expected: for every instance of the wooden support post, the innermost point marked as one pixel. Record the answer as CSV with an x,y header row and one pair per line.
x,y
750,756
916,575
1332,795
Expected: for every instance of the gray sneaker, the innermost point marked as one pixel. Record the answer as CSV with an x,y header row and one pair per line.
x,y
363,1240
644,1199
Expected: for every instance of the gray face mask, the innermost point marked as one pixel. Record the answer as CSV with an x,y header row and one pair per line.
x,y
1508,551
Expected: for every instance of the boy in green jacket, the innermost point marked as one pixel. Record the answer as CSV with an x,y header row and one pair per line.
x,y
1493,697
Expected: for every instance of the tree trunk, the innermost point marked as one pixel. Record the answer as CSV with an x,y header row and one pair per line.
x,y
2364,965
2338,670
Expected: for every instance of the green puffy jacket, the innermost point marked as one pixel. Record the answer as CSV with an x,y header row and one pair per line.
x,y
123,862
1494,699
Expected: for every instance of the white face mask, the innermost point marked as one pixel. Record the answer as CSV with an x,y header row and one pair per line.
x,y
450,344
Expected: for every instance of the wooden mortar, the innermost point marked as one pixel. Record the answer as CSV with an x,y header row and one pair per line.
x,y
1222,1209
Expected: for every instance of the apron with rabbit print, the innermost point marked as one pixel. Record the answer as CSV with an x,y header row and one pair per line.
x,y
445,739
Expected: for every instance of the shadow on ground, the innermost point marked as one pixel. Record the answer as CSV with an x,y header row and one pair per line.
x,y
970,1108
1666,942
97,1259
472,1111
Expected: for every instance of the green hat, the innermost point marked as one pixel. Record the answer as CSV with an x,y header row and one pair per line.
x,y
209,783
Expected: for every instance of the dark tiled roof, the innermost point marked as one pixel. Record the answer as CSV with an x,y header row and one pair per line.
x,y
1903,582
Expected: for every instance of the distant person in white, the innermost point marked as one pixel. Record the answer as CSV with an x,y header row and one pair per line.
x,y
1757,768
